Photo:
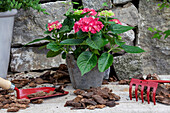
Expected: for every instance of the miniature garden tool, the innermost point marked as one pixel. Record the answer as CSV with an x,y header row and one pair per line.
x,y
145,83
22,93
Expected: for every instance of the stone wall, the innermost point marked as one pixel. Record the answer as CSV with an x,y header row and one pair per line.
x,y
156,59
30,25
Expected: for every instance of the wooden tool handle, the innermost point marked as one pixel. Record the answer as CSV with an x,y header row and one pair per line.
x,y
5,84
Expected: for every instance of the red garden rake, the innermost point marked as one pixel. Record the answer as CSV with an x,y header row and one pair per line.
x,y
145,83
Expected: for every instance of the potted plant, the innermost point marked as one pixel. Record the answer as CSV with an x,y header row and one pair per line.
x,y
82,38
8,9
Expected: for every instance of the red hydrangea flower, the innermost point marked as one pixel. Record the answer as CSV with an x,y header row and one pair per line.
x,y
87,24
92,11
116,21
54,25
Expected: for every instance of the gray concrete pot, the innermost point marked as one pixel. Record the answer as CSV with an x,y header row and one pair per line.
x,y
6,30
93,78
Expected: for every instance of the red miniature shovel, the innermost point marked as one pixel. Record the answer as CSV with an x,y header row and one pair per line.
x,y
145,83
22,93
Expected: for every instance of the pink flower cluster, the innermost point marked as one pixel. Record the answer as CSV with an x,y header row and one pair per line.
x,y
87,24
54,25
116,21
92,11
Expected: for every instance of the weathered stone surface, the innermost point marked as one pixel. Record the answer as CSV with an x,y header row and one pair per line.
x,y
156,59
128,36
127,66
30,24
120,1
127,14
96,4
26,59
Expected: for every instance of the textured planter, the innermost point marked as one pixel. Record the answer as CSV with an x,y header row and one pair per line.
x,y
6,30
93,78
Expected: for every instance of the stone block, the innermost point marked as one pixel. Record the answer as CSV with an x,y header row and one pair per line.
x,y
120,1
96,4
127,14
127,66
30,24
32,58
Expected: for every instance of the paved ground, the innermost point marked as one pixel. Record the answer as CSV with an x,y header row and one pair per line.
x,y
56,104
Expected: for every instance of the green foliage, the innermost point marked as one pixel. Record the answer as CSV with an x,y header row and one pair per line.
x,y
71,42
165,3
105,61
6,5
117,29
159,34
132,49
88,47
86,61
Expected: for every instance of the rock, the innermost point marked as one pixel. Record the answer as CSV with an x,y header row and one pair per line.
x,y
127,14
26,59
120,1
128,36
30,24
127,66
96,4
156,59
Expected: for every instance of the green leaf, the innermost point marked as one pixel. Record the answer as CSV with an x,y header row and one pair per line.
x,y
37,40
54,46
64,55
116,50
86,61
47,32
71,42
96,41
53,54
104,4
119,42
75,2
157,35
167,32
105,61
42,47
117,29
132,49
150,29
64,29
81,34
69,22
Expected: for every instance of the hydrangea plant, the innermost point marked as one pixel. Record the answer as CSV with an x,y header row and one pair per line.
x,y
88,31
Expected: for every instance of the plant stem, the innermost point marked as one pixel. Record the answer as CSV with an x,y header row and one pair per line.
x,y
89,35
110,50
